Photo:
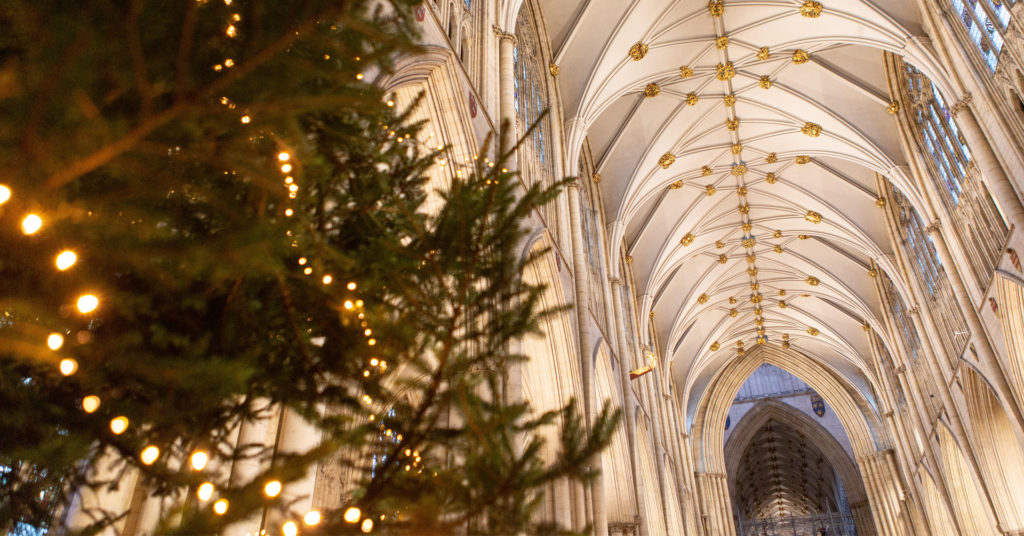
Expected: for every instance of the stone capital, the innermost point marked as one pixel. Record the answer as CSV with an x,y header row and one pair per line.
x,y
933,227
504,36
961,105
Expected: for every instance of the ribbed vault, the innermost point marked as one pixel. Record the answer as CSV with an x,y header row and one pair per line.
x,y
781,473
738,152
778,458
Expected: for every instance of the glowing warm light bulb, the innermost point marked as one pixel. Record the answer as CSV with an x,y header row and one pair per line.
x,y
374,362
118,425
283,156
308,270
55,341
351,285
273,488
5,193
246,119
149,455
231,31
367,525
68,366
302,260
311,518
289,212
289,529
88,303
359,76
199,459
220,507
31,224
66,259
327,279
205,491
91,403
348,304
352,515
285,168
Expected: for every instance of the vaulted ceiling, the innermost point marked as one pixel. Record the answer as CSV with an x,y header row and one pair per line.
x,y
775,191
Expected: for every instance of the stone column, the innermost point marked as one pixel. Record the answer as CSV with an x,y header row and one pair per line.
x,y
978,333
629,401
506,92
995,177
296,435
254,434
586,343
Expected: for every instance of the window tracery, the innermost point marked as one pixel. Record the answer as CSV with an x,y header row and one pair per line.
x,y
974,215
927,268
536,162
986,22
907,332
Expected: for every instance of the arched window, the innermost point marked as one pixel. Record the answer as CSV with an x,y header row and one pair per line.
x,y
986,21
924,263
589,203
536,162
900,314
974,215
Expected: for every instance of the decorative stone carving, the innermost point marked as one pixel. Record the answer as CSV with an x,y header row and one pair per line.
x,y
800,56
742,190
771,158
722,259
719,244
813,332
725,71
765,82
652,90
746,229
777,233
722,42
732,124
703,298
764,54
685,71
813,281
813,217
715,346
963,104
666,160
777,249
687,239
811,9
880,202
738,169
675,185
737,148
710,190
705,171
744,209
894,107
770,178
716,8
692,99
729,100
553,69
596,177
803,159
811,129
638,51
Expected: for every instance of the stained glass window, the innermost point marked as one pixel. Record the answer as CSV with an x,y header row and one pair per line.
x,y
950,161
985,20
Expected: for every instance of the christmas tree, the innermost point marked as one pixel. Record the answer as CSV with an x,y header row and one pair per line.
x,y
211,217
